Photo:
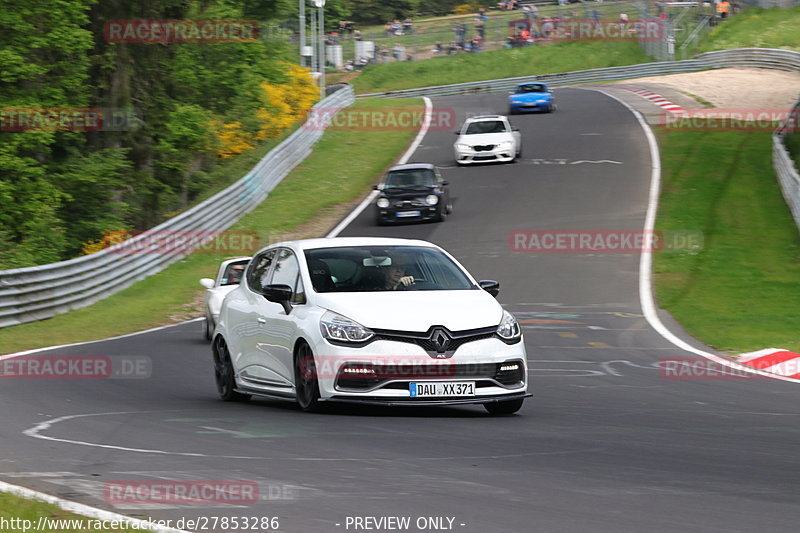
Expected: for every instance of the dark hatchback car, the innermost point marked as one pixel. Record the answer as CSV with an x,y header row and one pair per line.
x,y
412,192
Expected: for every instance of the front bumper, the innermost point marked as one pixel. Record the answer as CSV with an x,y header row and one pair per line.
x,y
393,214
484,362
391,402
531,106
468,156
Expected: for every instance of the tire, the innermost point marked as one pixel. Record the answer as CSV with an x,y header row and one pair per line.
x,y
553,107
207,329
305,379
512,111
224,373
519,150
508,407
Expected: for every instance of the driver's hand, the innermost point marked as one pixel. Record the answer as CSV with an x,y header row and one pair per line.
x,y
407,280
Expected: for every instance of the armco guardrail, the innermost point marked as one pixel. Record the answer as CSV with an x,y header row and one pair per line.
x,y
35,293
785,168
739,57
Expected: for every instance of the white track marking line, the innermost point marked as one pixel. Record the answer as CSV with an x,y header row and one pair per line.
x,y
646,259
402,161
85,510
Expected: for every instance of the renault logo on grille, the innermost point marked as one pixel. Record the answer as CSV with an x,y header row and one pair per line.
x,y
440,339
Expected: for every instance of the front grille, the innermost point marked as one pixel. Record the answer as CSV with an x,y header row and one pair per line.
x,y
410,203
426,340
483,147
403,373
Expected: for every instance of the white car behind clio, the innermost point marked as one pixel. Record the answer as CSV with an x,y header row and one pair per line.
x,y
367,320
228,276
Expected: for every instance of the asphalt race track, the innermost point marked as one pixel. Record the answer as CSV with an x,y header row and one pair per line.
x,y
607,443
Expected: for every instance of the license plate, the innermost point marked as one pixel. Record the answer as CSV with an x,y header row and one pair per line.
x,y
442,388
401,214
531,105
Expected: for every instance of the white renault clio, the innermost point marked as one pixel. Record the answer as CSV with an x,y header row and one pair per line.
x,y
368,320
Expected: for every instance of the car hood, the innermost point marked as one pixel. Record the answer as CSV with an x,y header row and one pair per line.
x,y
484,138
416,310
408,193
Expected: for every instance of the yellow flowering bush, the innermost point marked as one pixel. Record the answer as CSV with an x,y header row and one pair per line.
x,y
109,238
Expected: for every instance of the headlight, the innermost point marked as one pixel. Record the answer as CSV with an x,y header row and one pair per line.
x,y
516,101
508,328
541,101
463,146
335,327
383,203
431,199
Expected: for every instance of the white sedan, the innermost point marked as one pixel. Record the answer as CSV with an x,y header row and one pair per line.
x,y
487,138
368,320
228,276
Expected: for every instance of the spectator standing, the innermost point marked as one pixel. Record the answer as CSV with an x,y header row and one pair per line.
x,y
357,35
480,27
408,26
397,51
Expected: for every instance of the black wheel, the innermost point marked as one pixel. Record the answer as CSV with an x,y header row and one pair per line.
x,y
552,107
508,407
519,150
512,111
207,329
223,373
305,379
441,216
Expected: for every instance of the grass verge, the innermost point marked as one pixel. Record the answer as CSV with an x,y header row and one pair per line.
x,y
757,27
741,291
23,515
341,167
461,68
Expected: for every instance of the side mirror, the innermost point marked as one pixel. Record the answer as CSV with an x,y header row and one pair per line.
x,y
208,283
457,132
376,188
279,294
491,286
445,183
514,128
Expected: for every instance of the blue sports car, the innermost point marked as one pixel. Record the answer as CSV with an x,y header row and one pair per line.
x,y
531,96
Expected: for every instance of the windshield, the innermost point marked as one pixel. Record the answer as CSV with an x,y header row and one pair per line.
x,y
384,268
532,88
486,126
410,179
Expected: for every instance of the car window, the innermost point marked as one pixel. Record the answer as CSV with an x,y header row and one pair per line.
x,y
365,269
287,272
233,273
409,179
259,270
486,126
532,88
